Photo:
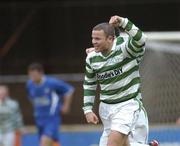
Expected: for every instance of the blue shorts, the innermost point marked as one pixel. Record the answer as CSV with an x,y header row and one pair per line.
x,y
48,126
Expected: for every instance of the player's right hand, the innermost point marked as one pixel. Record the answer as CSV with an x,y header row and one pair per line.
x,y
92,118
115,20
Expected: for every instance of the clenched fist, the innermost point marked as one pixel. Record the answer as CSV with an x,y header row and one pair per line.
x,y
116,20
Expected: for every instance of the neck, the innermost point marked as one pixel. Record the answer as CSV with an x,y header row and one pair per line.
x,y
39,81
108,50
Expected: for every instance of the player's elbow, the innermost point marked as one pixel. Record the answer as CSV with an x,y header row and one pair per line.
x,y
144,38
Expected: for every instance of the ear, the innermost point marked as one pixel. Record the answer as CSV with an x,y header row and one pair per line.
x,y
110,38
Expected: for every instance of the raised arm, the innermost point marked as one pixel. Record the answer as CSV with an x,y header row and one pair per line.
x,y
135,46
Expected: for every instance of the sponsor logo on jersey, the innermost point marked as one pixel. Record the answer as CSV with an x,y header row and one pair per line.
x,y
109,74
41,101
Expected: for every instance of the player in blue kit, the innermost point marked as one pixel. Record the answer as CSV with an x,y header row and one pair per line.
x,y
49,96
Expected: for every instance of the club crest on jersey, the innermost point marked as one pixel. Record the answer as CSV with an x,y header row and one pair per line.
x,y
109,74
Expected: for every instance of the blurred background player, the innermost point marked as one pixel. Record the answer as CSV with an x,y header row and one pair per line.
x,y
10,119
49,96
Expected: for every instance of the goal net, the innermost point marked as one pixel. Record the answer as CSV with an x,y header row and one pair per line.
x,y
160,71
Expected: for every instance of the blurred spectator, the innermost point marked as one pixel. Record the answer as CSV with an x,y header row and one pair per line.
x,y
10,118
49,96
178,121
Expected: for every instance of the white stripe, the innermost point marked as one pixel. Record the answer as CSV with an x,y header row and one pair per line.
x,y
110,61
90,87
133,31
130,90
55,100
90,79
89,99
125,21
89,70
129,65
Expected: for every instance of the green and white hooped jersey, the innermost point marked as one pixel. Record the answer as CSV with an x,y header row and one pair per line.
x,y
118,72
10,116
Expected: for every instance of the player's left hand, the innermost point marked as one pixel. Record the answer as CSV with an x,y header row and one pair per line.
x,y
88,50
65,109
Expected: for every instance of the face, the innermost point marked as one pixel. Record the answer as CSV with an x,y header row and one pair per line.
x,y
3,93
35,76
100,41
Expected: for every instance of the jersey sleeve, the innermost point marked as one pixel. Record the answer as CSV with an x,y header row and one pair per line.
x,y
62,88
89,87
135,46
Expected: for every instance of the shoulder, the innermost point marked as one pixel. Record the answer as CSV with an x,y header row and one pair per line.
x,y
29,83
52,80
13,103
91,56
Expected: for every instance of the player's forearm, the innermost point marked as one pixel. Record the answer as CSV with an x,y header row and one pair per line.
x,y
89,94
68,99
138,37
88,104
89,87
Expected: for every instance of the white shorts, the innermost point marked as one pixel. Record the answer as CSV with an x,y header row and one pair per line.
x,y
140,132
120,117
7,139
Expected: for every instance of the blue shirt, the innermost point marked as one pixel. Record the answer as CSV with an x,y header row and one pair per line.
x,y
46,97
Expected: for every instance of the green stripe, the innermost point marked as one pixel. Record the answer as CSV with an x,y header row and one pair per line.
x,y
118,78
88,104
90,75
130,53
132,47
136,44
114,66
89,92
140,56
102,59
138,35
139,102
87,65
129,26
119,41
122,99
119,90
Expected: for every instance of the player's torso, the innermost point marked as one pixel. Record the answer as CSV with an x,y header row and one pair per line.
x,y
41,94
115,73
7,113
112,67
44,98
